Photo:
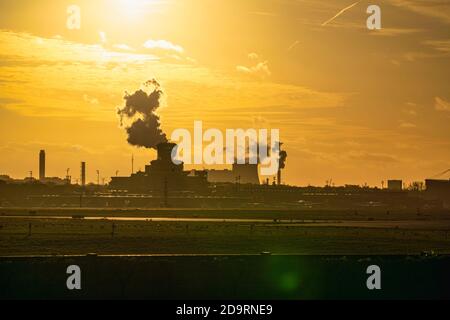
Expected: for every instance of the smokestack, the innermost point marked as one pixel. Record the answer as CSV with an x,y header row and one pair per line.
x,y
281,164
42,165
165,151
83,174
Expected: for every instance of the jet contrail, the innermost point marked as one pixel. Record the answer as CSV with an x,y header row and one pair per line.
x,y
340,12
293,45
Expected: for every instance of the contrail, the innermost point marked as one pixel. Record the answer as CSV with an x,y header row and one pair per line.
x,y
293,45
340,12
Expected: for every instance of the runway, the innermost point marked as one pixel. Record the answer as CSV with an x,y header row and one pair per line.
x,y
442,225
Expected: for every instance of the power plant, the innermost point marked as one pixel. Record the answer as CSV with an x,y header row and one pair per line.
x,y
165,183
160,174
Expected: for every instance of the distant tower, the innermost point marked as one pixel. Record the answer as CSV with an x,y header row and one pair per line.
x,y
281,163
83,174
68,177
42,165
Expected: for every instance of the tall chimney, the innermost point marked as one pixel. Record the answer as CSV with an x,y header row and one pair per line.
x,y
165,151
83,174
42,165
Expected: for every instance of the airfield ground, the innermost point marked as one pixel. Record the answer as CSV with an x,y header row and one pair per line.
x,y
61,231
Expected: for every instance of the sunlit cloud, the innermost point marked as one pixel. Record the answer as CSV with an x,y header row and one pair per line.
x,y
434,8
263,13
392,32
262,68
90,100
103,37
442,46
405,124
123,47
441,104
164,45
82,67
253,56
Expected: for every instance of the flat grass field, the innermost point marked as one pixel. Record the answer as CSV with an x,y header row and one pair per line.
x,y
66,231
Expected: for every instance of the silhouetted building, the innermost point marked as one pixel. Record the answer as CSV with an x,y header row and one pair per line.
x,y
395,185
438,189
42,165
162,175
246,173
54,181
6,178
240,173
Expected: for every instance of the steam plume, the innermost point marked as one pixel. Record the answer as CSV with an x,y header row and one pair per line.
x,y
139,119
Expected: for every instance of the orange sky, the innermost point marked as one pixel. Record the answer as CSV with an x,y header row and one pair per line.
x,y
352,105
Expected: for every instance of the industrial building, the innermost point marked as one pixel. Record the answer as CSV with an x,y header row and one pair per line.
x,y
395,185
438,189
240,173
162,175
167,184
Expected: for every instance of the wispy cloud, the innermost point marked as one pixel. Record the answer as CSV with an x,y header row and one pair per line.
x,y
263,13
164,45
441,104
434,8
90,100
123,47
103,37
262,68
253,56
29,59
439,49
407,125
439,45
392,32
410,112
340,13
